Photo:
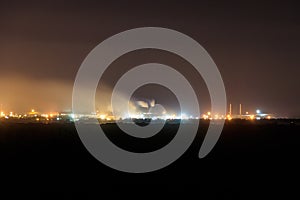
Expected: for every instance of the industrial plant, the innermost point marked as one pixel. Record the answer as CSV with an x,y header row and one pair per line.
x,y
141,109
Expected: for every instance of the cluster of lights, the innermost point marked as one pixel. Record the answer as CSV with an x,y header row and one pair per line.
x,y
146,115
259,115
106,117
30,115
210,116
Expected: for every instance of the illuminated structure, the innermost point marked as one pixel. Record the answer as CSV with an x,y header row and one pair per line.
x,y
144,110
257,115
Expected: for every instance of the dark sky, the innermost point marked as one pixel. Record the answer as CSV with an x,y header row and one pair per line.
x,y
256,46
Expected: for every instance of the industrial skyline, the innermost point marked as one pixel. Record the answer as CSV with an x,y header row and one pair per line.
x,y
35,115
254,45
183,98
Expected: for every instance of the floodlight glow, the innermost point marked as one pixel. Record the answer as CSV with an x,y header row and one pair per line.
x,y
184,116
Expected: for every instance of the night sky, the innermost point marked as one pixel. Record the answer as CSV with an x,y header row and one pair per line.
x,y
256,46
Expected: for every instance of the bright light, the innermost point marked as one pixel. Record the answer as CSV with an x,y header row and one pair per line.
x,y
32,110
258,111
183,116
252,117
102,116
229,117
269,117
45,115
208,113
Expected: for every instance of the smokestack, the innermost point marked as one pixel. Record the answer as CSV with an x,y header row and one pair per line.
x,y
230,111
240,109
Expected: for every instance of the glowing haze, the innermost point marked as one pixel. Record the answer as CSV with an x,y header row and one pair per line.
x,y
254,44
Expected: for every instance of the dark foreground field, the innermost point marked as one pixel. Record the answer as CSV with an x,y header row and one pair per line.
x,y
251,159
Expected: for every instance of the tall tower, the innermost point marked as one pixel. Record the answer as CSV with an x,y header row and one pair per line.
x,y
230,109
240,109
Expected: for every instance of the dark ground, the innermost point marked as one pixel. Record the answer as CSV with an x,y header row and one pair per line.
x,y
251,160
